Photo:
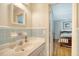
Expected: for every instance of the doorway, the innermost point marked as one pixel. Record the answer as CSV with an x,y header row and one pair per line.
x,y
61,28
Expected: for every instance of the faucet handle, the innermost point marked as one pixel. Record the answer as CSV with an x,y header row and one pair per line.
x,y
25,38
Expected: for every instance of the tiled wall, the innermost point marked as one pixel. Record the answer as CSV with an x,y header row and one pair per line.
x,y
5,34
38,32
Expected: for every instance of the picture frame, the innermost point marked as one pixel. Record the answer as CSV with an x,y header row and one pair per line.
x,y
67,25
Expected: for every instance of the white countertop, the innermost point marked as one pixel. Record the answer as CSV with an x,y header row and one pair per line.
x,y
32,44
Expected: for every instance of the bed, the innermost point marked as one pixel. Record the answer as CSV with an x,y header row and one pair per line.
x,y
65,38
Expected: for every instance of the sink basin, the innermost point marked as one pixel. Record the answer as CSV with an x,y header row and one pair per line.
x,y
19,49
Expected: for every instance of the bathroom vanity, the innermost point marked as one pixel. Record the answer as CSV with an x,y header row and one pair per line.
x,y
33,47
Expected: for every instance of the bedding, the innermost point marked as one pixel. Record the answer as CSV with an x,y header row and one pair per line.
x,y
64,36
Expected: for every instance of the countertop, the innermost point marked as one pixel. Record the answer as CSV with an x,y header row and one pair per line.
x,y
31,45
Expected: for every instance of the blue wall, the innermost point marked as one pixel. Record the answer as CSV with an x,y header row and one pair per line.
x,y
5,36
61,12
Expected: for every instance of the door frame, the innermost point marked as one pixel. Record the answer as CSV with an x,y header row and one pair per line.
x,y
50,33
74,28
74,31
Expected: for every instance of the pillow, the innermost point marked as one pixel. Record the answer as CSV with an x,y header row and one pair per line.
x,y
66,34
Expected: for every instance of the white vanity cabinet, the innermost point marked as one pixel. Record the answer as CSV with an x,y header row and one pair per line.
x,y
40,51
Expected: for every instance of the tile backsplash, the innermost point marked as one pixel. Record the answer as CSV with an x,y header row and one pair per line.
x,y
38,32
5,34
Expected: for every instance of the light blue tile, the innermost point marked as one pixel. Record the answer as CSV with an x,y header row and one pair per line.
x,y
5,34
38,33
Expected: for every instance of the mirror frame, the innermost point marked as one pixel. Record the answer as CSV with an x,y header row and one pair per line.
x,y
12,16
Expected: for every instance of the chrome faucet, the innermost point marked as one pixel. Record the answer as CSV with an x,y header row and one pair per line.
x,y
22,42
25,38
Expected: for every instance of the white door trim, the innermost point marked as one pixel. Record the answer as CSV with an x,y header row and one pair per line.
x,y
50,33
74,29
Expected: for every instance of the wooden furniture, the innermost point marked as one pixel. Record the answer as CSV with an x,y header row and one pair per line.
x,y
68,37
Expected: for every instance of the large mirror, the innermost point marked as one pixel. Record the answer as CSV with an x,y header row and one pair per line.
x,y
18,15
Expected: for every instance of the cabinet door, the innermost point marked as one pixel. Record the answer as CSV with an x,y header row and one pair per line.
x,y
40,51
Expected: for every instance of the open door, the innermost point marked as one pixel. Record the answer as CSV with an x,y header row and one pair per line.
x,y
67,42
